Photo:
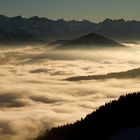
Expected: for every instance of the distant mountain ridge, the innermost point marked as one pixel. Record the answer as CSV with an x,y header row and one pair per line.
x,y
46,30
91,40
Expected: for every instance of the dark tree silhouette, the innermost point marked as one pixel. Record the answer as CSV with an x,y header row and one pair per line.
x,y
102,123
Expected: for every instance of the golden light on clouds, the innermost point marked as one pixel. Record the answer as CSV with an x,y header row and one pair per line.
x,y
34,96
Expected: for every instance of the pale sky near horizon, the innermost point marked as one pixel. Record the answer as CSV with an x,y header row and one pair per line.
x,y
94,10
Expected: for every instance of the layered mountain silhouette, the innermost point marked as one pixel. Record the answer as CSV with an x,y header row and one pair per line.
x,y
47,30
91,39
117,120
19,36
134,73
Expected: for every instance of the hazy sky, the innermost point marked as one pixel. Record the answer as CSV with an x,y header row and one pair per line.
x,y
94,10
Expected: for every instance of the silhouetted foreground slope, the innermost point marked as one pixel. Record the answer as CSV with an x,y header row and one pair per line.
x,y
134,73
91,39
103,123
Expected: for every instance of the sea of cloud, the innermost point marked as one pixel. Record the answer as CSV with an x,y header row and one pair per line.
x,y
34,95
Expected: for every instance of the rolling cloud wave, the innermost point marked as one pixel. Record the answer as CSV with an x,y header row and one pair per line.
x,y
34,96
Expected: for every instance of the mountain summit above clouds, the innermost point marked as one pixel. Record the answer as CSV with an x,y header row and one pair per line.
x,y
40,29
90,40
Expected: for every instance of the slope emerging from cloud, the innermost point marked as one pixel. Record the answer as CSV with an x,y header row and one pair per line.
x,y
134,73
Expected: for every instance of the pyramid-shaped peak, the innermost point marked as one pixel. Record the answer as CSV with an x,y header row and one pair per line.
x,y
91,35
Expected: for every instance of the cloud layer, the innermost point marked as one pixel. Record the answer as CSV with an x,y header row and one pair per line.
x,y
34,96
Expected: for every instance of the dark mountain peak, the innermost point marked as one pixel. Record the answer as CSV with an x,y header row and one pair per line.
x,y
86,21
17,18
90,39
61,20
91,35
119,20
34,18
107,20
39,19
